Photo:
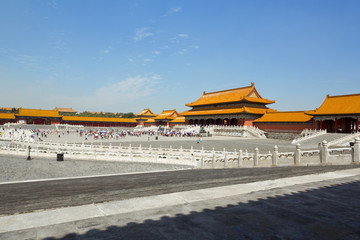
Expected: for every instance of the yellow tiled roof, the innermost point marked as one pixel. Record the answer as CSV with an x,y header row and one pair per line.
x,y
7,116
23,112
167,114
5,108
68,110
342,104
249,94
151,120
178,120
227,111
295,116
98,119
146,112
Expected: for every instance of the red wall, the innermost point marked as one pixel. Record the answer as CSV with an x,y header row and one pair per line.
x,y
284,126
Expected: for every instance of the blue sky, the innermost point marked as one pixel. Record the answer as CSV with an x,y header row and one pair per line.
x,y
124,56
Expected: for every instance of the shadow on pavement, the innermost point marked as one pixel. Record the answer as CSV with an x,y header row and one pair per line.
x,y
324,213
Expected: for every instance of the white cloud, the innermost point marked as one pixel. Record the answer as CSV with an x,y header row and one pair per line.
x,y
156,77
183,35
182,51
173,10
106,50
53,4
147,60
142,33
156,52
127,90
28,60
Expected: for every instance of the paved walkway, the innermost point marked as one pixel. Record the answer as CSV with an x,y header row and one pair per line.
x,y
313,206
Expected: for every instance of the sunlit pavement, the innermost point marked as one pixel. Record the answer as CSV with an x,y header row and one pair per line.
x,y
313,206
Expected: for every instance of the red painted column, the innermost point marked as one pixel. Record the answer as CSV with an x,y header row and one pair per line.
x,y
320,124
357,124
336,125
314,124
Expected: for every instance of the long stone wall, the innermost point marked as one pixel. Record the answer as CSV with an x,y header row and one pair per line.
x,y
197,158
282,135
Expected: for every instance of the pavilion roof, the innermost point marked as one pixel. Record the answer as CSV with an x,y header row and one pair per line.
x,y
247,94
24,112
98,119
5,108
67,110
291,116
146,112
7,116
338,105
150,120
167,114
180,119
251,110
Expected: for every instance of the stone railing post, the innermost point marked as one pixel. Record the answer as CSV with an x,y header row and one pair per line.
x,y
256,157
202,157
297,155
356,152
240,158
324,152
130,152
213,158
275,156
225,158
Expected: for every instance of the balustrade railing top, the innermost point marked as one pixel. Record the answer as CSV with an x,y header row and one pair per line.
x,y
195,157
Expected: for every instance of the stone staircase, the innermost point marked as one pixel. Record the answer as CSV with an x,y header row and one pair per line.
x,y
328,137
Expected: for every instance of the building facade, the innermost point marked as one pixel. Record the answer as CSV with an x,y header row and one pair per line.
x,y
239,107
339,114
143,116
293,121
164,118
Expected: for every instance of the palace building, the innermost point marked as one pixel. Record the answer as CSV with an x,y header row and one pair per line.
x,y
99,121
164,118
293,121
50,117
239,106
7,118
143,116
65,110
337,114
38,116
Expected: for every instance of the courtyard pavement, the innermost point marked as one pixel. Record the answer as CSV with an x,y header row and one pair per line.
x,y
312,206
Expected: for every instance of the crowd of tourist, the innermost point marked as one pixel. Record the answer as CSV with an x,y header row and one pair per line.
x,y
98,133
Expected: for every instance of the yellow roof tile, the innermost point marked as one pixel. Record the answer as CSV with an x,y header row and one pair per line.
x,y
167,114
68,110
294,116
178,120
146,112
7,116
23,112
226,111
335,105
151,120
5,108
249,94
98,119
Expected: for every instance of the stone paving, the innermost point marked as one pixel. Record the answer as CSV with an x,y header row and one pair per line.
x,y
318,207
326,209
217,142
